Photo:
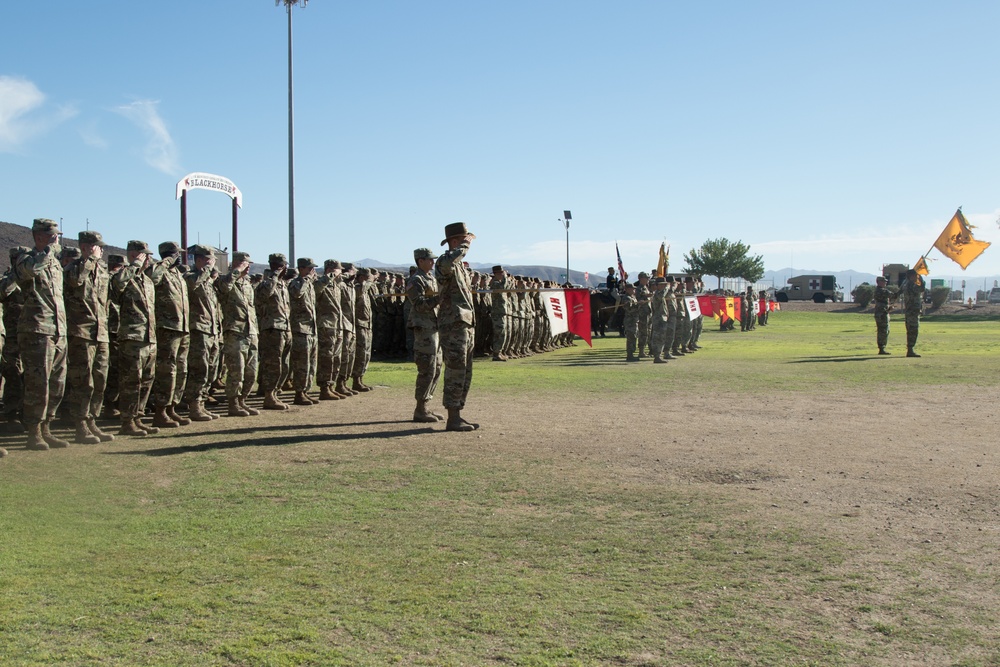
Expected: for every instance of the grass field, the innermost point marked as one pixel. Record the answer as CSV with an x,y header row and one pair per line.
x,y
346,535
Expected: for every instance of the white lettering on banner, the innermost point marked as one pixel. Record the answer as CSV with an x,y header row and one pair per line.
x,y
202,181
556,307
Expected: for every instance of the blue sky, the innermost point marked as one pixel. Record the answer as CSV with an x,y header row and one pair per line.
x,y
826,135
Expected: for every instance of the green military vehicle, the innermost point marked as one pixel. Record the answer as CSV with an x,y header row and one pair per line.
x,y
815,288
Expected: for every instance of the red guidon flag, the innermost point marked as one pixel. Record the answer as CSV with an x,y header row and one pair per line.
x,y
569,310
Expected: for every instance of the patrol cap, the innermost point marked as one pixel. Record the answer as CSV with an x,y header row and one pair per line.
x,y
658,280
643,274
277,258
497,269
363,273
423,253
347,266
137,246
629,286
456,229
168,248
331,264
240,256
93,238
69,252
116,260
19,250
413,270
44,225
200,251
305,263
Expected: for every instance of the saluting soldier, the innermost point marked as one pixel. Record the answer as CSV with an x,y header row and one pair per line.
x,y
500,285
10,361
302,299
173,338
348,347
87,282
111,389
642,295
239,324
422,295
273,313
456,322
203,314
330,330
631,306
659,319
134,292
41,334
362,330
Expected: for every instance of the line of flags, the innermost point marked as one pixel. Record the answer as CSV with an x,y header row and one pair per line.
x,y
662,262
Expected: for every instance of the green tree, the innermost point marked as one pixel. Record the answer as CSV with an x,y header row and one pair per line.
x,y
724,259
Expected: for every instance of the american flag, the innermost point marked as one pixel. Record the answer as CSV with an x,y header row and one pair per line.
x,y
621,267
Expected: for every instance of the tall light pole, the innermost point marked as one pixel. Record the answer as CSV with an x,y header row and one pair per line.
x,y
567,216
291,134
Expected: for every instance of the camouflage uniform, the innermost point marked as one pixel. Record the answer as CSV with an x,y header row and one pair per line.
x,y
173,325
41,336
631,322
913,294
273,312
86,285
203,315
642,295
302,299
10,362
347,300
111,390
134,292
362,329
239,325
659,320
330,331
882,299
498,312
456,325
422,295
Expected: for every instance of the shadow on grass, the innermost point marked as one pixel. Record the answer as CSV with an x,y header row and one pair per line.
x,y
833,359
272,441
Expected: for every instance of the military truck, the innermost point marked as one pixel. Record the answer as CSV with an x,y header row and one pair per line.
x,y
895,274
815,288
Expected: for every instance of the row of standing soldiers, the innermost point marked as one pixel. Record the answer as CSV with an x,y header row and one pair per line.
x,y
657,322
113,334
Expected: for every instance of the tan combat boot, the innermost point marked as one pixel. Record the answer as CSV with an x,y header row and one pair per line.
x,y
36,442
301,398
342,388
51,440
456,423
162,420
253,412
326,393
150,430
235,409
101,435
129,428
172,413
272,402
196,409
83,435
421,415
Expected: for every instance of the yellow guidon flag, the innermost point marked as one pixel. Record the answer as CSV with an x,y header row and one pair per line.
x,y
957,243
921,267
663,262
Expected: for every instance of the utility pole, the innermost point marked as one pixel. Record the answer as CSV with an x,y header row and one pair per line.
x,y
291,134
567,216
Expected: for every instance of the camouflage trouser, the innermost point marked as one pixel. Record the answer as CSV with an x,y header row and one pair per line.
x,y
44,359
114,370
137,361
329,341
684,338
87,364
218,369
171,366
642,334
631,335
203,357
427,355
696,328
13,377
362,352
456,346
882,330
912,321
346,355
240,352
304,356
658,337
275,353
671,335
